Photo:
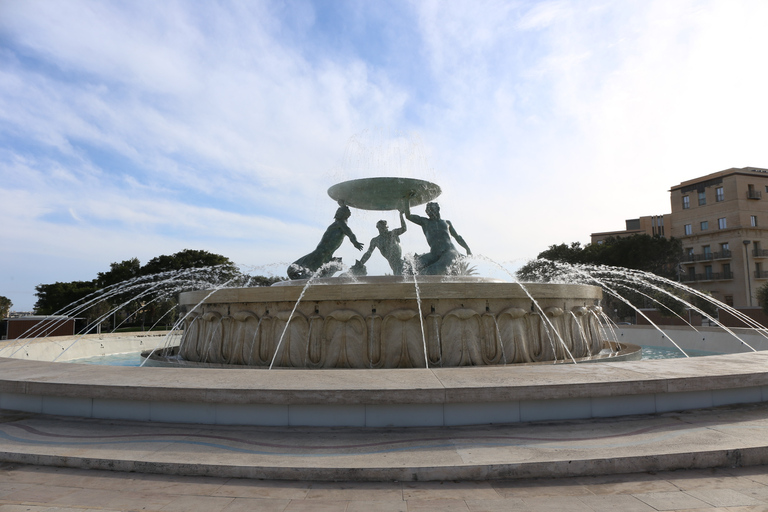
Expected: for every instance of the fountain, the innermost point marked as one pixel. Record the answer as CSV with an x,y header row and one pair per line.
x,y
379,351
428,316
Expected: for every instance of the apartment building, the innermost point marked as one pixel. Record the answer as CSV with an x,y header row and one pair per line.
x,y
650,225
722,221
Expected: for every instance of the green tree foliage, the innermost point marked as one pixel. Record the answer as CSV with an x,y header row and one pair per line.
x,y
132,294
187,258
654,254
54,298
5,307
119,272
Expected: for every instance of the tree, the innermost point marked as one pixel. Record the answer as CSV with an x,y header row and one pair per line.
x,y
59,298
654,254
119,272
5,307
186,259
130,293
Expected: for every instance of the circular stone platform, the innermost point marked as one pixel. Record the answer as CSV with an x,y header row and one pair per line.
x,y
249,407
382,398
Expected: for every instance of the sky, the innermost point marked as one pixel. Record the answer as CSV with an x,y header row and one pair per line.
x,y
141,128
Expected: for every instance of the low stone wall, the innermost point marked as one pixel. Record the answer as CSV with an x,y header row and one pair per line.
x,y
708,339
67,348
382,398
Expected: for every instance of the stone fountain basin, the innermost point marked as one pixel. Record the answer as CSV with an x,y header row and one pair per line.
x,y
391,322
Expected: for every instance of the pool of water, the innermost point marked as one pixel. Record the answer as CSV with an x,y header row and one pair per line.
x,y
671,353
128,359
134,358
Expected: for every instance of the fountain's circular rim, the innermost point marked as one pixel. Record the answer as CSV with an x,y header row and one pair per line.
x,y
383,280
384,193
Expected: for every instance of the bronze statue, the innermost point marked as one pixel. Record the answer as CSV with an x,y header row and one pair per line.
x,y
388,243
319,259
442,253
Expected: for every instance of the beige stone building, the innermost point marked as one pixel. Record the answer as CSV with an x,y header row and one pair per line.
x,y
649,225
722,221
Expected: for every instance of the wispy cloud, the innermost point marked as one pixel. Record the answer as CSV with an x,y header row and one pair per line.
x,y
142,128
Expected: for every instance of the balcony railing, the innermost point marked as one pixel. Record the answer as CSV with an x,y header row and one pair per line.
x,y
712,276
708,256
754,194
761,274
760,253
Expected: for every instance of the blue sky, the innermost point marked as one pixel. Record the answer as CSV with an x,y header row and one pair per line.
x,y
134,129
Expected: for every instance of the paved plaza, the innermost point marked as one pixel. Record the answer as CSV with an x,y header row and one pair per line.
x,y
707,459
39,488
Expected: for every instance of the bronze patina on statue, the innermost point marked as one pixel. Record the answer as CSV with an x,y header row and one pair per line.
x,y
321,260
384,194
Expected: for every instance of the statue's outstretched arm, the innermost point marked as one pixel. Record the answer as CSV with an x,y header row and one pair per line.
x,y
352,237
411,217
458,238
367,255
402,229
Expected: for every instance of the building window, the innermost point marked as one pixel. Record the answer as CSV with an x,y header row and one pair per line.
x,y
691,273
707,252
727,271
721,224
686,202
719,195
728,299
708,272
689,253
688,229
704,225
753,221
702,198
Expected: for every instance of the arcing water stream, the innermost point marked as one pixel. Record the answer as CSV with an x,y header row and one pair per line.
x,y
615,282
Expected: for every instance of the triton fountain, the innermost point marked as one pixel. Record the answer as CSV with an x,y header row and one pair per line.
x,y
428,316
441,349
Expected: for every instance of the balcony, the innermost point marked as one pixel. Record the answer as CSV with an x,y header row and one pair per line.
x,y
708,256
712,276
722,255
754,194
761,274
760,253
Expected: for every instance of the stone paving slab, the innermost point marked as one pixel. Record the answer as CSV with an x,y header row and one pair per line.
x,y
38,488
716,437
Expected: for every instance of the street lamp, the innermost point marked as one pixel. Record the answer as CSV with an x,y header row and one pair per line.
x,y
749,280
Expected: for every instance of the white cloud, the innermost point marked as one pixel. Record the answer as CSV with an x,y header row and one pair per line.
x,y
146,128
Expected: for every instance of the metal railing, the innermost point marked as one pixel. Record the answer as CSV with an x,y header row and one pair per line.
x,y
708,256
712,276
754,194
760,253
